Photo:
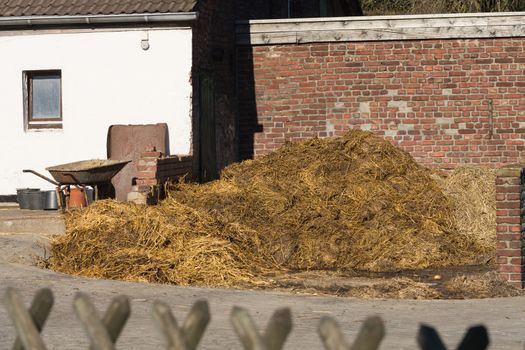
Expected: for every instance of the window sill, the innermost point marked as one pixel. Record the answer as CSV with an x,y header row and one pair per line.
x,y
44,128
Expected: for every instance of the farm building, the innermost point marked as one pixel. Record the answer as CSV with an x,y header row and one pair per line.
x,y
72,70
136,63
239,79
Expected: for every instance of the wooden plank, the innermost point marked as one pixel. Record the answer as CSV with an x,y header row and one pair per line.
x,y
93,325
378,24
167,324
196,323
207,127
381,28
371,334
39,311
25,328
369,337
116,316
477,337
331,335
382,34
278,329
246,329
495,15
429,339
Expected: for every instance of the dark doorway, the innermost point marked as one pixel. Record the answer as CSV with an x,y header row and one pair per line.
x,y
207,146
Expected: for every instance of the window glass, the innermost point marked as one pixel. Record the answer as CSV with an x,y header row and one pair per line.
x,y
46,96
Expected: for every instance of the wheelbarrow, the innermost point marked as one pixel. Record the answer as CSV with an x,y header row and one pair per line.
x,y
95,173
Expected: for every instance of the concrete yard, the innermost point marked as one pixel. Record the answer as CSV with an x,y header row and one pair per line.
x,y
24,234
40,222
504,317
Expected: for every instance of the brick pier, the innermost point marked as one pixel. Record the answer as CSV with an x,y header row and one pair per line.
x,y
510,223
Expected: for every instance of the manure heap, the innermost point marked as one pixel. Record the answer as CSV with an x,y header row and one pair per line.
x,y
350,203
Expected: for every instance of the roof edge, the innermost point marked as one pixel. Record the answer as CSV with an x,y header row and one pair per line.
x,y
34,21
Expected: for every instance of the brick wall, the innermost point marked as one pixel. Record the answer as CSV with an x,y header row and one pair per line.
x,y
147,169
174,168
510,219
154,169
448,102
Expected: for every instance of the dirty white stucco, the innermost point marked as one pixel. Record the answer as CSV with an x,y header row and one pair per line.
x,y
107,78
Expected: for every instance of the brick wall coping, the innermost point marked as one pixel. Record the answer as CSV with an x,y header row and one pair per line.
x,y
180,157
375,28
159,155
511,170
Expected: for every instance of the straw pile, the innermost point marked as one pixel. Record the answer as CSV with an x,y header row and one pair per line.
x,y
473,193
349,203
169,243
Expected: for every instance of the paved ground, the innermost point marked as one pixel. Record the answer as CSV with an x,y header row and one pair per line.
x,y
24,234
505,318
41,222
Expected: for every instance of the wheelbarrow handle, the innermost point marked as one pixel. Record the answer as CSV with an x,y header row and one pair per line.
x,y
41,176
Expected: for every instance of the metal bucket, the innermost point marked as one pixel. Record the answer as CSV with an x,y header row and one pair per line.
x,y
50,200
77,198
90,193
22,196
36,200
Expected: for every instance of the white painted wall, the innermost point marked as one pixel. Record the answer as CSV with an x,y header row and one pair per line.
x,y
106,79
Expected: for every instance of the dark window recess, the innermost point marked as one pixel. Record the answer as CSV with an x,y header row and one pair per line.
x,y
43,99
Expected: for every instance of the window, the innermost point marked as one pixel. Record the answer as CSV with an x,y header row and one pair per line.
x,y
43,99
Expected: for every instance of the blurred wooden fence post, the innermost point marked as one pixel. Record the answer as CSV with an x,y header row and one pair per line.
x,y
189,336
28,324
103,333
369,337
39,311
93,325
273,338
429,339
116,317
476,338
